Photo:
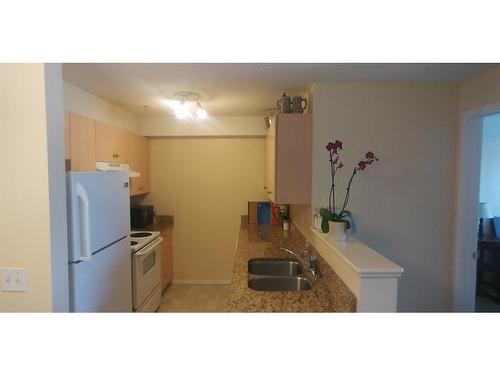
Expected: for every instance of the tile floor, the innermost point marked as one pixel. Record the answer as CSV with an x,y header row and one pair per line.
x,y
194,298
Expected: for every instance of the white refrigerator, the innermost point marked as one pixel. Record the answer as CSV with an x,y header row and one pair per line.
x,y
99,247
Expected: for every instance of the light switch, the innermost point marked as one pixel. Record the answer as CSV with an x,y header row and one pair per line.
x,y
13,279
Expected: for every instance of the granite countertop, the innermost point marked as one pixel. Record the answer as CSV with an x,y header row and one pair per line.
x,y
329,293
160,222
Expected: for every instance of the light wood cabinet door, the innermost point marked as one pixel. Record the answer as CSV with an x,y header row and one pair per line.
x,y
134,163
82,143
288,159
139,161
111,143
144,167
167,258
270,161
67,137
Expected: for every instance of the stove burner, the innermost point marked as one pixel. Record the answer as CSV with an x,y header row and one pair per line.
x,y
133,243
140,234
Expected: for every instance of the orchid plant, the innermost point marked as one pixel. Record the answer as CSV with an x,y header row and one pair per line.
x,y
341,214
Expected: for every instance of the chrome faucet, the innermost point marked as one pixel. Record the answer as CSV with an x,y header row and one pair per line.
x,y
313,267
307,259
291,253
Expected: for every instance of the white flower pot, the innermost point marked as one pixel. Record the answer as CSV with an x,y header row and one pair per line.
x,y
336,231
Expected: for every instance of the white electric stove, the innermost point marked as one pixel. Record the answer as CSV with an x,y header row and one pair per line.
x,y
139,239
146,270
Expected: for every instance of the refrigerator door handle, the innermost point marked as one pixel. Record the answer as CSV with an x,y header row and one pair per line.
x,y
84,219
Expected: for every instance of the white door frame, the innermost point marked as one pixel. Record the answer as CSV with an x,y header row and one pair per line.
x,y
467,206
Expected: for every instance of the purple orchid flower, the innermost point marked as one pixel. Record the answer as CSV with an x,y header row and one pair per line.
x,y
332,213
334,147
362,165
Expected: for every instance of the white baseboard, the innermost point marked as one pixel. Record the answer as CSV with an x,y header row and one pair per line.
x,y
202,282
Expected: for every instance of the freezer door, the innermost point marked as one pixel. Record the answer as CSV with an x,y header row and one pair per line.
x,y
104,283
98,211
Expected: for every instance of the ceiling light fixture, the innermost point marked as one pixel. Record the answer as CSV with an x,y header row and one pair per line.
x,y
181,110
200,112
187,104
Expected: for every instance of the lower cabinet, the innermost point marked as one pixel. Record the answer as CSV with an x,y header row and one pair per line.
x,y
166,257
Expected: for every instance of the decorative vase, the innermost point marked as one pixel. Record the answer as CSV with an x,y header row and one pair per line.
x,y
336,231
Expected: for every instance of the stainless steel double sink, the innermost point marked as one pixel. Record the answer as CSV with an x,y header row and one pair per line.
x,y
271,275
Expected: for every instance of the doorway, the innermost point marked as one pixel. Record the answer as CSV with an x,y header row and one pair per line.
x,y
488,249
470,193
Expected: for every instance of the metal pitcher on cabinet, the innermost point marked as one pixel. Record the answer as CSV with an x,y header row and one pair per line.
x,y
299,104
284,104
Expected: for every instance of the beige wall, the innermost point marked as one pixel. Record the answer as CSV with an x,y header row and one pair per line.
x,y
24,187
205,184
170,126
404,204
86,104
481,90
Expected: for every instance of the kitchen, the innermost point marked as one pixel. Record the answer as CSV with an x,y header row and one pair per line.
x,y
184,177
223,172
91,144
192,158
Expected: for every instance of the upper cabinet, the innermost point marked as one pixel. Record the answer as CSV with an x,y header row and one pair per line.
x,y
81,149
111,143
139,162
87,141
288,159
270,161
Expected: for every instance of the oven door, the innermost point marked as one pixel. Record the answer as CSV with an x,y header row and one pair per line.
x,y
146,271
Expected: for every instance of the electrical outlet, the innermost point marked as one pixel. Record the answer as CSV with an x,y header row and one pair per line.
x,y
13,279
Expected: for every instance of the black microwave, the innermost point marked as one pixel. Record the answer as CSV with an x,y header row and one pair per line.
x,y
141,216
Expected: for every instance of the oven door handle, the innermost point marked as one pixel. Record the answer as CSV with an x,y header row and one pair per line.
x,y
150,248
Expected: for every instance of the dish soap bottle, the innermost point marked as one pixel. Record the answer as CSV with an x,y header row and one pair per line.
x,y
316,219
285,222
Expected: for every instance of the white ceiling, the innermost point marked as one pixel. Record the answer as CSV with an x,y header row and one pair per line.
x,y
240,89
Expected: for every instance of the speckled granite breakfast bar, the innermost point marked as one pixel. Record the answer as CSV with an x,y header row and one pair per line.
x,y
329,293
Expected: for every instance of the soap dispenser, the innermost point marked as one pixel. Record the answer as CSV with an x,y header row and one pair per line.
x,y
316,219
285,221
